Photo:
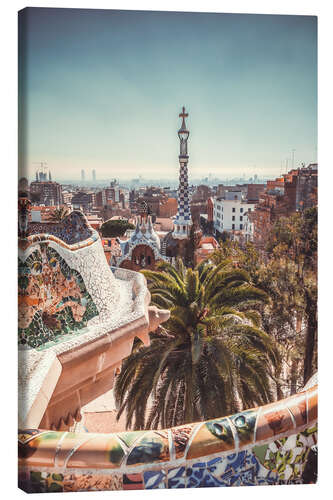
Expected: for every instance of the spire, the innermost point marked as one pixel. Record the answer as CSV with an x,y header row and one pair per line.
x,y
137,229
150,224
137,234
149,228
143,225
183,115
183,219
150,233
50,178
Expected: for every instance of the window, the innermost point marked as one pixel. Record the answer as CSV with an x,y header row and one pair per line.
x,y
233,217
184,229
241,210
234,210
148,260
241,218
233,226
240,226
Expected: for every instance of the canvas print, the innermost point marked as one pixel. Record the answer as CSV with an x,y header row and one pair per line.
x,y
167,250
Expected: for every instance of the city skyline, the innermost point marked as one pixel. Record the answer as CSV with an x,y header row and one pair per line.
x,y
104,90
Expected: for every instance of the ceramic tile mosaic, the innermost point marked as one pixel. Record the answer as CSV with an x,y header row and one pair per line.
x,y
53,299
146,459
278,462
73,229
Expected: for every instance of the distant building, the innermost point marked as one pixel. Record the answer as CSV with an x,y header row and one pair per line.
x,y
201,194
221,189
67,197
210,210
83,200
46,193
112,201
294,191
254,191
94,221
250,191
132,201
41,175
112,250
206,247
154,197
101,198
83,175
230,212
307,187
168,207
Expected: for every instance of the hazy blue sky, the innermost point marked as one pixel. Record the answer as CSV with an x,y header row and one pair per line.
x,y
103,89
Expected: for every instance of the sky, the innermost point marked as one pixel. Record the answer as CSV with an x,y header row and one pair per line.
x,y
102,89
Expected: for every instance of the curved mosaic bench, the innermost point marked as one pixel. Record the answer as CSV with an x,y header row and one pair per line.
x,y
74,228
265,445
77,320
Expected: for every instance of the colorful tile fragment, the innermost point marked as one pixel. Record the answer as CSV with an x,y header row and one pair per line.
x,y
133,482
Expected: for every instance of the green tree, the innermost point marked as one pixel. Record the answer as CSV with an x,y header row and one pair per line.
x,y
210,359
293,244
114,228
287,271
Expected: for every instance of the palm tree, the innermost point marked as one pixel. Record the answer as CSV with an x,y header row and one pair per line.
x,y
209,359
59,214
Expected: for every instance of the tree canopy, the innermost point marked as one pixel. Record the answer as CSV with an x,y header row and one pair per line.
x,y
210,359
114,228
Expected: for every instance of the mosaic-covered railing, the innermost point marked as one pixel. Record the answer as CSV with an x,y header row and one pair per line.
x,y
73,229
266,445
77,320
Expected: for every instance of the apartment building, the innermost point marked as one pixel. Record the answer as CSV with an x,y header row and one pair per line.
x,y
230,213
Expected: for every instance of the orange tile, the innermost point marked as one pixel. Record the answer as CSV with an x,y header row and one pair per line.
x,y
272,421
312,395
213,437
39,451
297,406
69,442
103,451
